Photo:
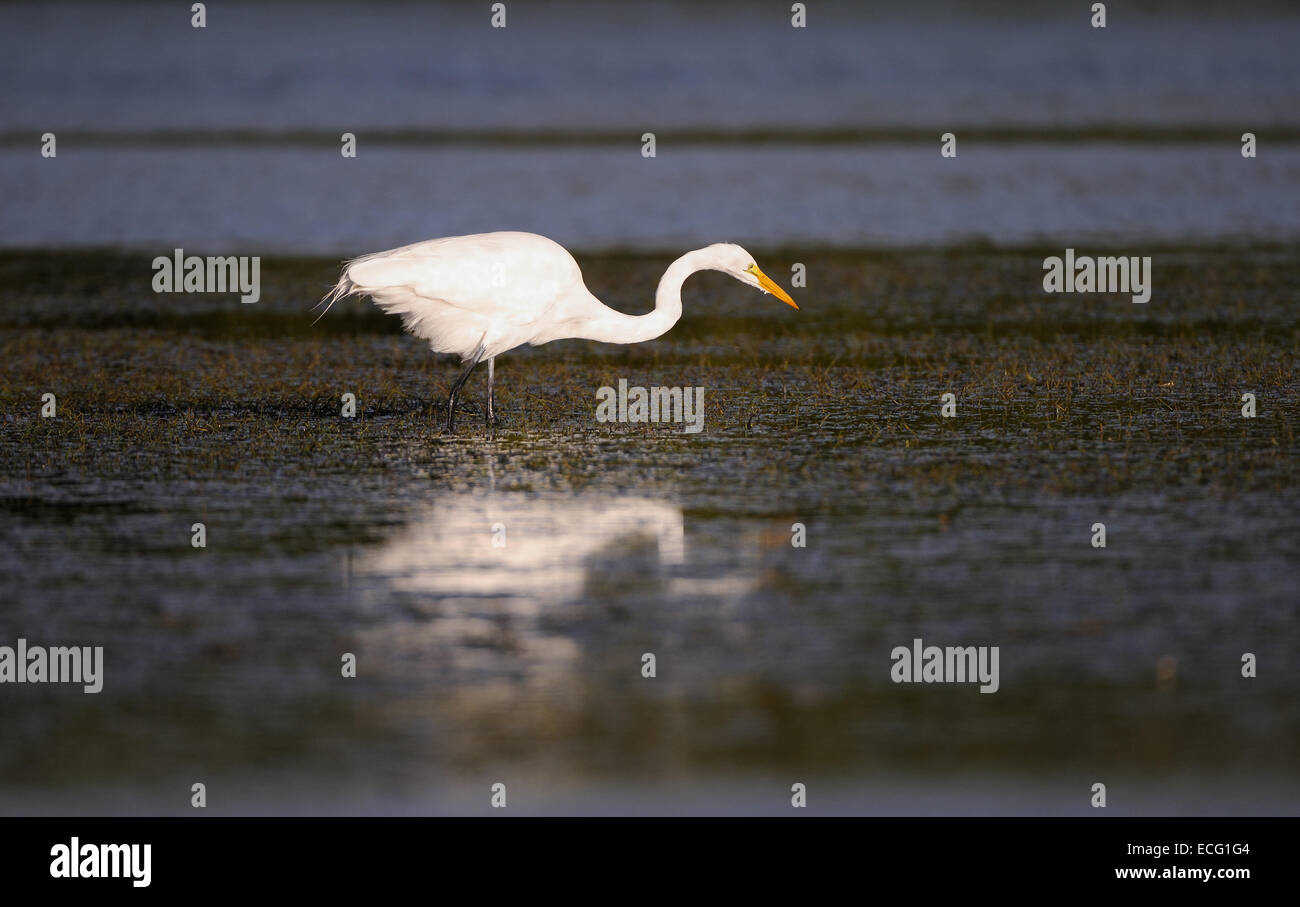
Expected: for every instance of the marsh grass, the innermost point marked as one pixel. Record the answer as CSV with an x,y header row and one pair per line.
x,y
1060,393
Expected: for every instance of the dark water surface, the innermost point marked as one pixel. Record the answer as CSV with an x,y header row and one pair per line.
x,y
522,663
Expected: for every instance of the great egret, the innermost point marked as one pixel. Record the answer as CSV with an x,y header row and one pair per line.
x,y
481,295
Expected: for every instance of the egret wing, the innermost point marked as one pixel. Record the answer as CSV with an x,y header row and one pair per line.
x,y
506,277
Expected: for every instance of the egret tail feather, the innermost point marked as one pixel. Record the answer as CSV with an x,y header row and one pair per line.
x,y
345,287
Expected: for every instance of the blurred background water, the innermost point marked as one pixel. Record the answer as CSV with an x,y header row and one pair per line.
x,y
228,137
522,663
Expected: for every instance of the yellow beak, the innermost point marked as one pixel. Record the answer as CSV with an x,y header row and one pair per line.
x,y
771,286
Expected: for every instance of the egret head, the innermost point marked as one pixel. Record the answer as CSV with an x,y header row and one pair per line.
x,y
730,258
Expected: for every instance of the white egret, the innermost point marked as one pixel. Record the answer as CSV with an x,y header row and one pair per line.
x,y
481,295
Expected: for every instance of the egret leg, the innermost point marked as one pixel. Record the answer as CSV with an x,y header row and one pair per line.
x,y
491,414
455,389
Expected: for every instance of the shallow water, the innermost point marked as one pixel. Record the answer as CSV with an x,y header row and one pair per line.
x,y
291,200
522,663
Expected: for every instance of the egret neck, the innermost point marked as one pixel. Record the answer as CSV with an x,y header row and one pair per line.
x,y
615,327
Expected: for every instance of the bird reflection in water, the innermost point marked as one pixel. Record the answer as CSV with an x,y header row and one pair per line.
x,y
498,584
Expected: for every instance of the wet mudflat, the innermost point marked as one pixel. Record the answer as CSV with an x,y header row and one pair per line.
x,y
522,662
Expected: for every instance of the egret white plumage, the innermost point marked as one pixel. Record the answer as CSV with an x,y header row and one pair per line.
x,y
481,295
